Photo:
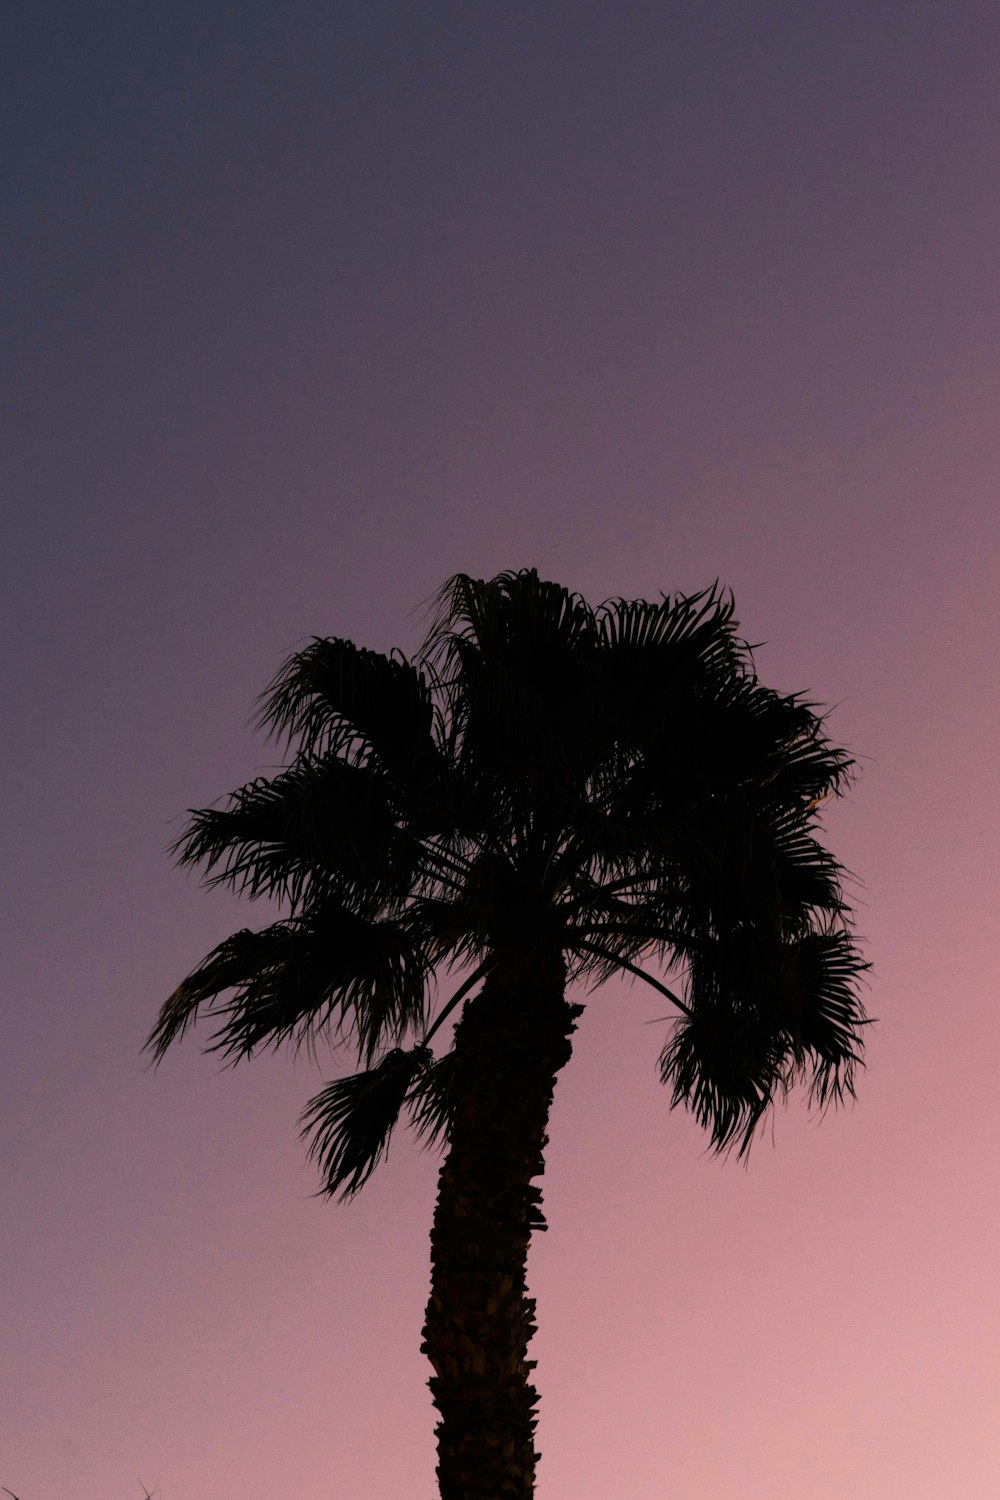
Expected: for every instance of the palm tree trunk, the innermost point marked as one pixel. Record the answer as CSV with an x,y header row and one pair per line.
x,y
510,1044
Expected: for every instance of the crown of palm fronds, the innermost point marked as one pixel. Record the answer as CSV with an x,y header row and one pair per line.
x,y
614,780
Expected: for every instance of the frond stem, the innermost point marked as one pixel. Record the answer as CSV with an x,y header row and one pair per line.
x,y
659,935
623,963
446,858
608,890
456,999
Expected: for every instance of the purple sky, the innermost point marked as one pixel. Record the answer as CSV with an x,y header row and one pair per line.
x,y
306,308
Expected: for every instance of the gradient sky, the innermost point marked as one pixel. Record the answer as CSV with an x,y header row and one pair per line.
x,y
308,306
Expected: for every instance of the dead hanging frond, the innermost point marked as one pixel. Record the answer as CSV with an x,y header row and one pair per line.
x,y
349,1124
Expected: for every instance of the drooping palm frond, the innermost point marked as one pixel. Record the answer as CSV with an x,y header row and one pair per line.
x,y
330,970
827,969
738,864
726,1076
764,1014
431,1101
348,1125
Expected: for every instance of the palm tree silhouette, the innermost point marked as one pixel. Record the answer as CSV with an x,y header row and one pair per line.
x,y
548,794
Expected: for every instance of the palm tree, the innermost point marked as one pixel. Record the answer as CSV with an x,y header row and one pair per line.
x,y
547,795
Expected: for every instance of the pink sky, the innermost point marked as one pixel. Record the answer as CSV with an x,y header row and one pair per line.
x,y
308,308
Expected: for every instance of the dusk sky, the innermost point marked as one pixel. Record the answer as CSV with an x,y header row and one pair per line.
x,y
307,307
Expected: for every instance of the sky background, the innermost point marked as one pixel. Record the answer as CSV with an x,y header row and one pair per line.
x,y
307,307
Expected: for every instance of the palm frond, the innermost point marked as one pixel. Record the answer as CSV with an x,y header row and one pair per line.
x,y
737,864
726,1077
348,1125
607,962
431,1101
503,614
320,825
762,1017
335,698
330,970
654,657
660,649
828,970
510,658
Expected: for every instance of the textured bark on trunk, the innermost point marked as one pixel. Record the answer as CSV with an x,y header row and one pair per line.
x,y
510,1044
